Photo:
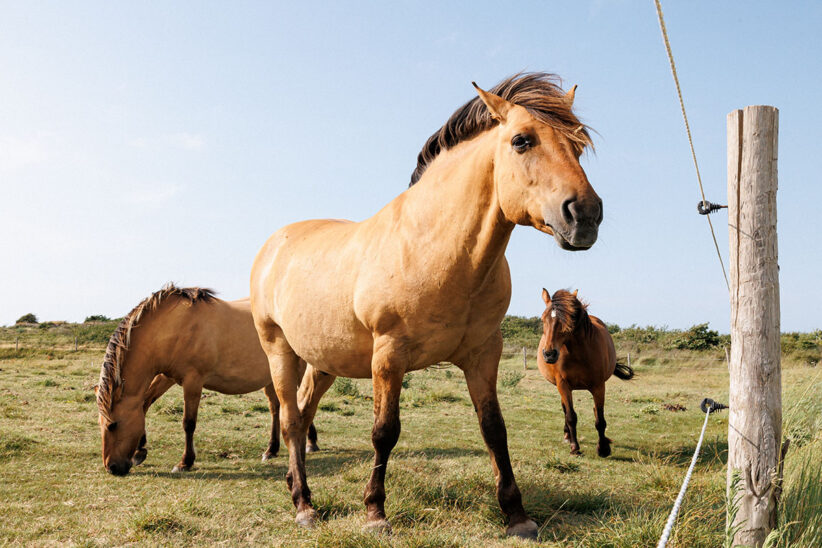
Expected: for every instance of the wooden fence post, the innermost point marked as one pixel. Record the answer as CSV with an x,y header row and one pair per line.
x,y
755,418
17,344
525,358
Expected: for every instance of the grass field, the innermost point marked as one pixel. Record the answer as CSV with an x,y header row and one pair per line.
x,y
53,489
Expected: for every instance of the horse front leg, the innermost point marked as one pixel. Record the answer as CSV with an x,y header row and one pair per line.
x,y
274,409
192,391
604,443
386,374
159,385
480,371
567,397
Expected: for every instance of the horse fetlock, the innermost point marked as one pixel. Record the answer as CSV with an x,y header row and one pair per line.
x,y
268,455
311,447
182,467
525,529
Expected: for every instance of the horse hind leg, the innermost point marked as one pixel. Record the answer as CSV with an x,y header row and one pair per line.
x,y
192,392
285,374
604,443
318,379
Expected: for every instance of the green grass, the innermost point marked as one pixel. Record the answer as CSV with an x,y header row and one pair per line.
x,y
53,489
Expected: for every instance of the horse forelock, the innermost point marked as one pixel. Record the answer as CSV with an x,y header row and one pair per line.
x,y
538,92
111,371
570,312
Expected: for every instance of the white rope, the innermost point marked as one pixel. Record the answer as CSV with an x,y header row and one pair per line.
x,y
675,510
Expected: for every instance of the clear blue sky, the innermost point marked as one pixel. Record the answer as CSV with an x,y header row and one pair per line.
x,y
149,142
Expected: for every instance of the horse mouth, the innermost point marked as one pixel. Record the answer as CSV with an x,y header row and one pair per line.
x,y
563,243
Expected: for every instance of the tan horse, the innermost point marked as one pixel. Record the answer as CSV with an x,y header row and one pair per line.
x,y
576,352
425,279
181,336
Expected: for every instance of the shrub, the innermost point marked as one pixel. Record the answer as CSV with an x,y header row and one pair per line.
x,y
97,318
345,387
27,318
510,379
698,337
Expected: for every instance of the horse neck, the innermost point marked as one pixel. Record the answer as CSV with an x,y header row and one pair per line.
x,y
455,207
140,366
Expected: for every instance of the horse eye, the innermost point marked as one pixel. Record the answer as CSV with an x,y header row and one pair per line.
x,y
112,426
521,143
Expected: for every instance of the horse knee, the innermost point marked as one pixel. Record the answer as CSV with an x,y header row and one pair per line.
x,y
385,434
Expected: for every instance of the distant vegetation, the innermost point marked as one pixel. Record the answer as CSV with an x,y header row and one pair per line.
x,y
803,347
97,318
650,344
27,318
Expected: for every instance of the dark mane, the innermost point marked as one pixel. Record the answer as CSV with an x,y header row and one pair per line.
x,y
538,92
110,378
572,314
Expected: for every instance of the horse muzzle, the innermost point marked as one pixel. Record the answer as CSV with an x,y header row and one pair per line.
x,y
119,468
578,226
550,356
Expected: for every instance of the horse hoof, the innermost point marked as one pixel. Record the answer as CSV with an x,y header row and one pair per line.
x,y
576,452
180,468
604,450
378,527
526,529
139,457
311,447
306,518
268,455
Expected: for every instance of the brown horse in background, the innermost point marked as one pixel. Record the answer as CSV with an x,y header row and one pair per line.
x,y
183,336
425,279
576,352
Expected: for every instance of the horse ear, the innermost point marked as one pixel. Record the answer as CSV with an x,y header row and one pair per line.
x,y
497,106
570,95
546,296
575,292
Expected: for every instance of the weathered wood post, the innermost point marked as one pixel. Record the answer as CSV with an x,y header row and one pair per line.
x,y
525,358
755,419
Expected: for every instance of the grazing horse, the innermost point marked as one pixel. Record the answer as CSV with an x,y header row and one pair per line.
x,y
181,336
425,279
576,352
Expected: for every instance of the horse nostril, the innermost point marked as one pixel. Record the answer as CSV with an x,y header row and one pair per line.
x,y
601,211
567,215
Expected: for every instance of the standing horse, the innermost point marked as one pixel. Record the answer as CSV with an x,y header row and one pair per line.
x,y
181,336
576,352
425,279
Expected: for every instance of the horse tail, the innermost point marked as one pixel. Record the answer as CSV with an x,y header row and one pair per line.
x,y
624,372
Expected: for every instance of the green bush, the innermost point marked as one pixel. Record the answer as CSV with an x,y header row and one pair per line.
x,y
27,318
520,331
698,337
97,318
